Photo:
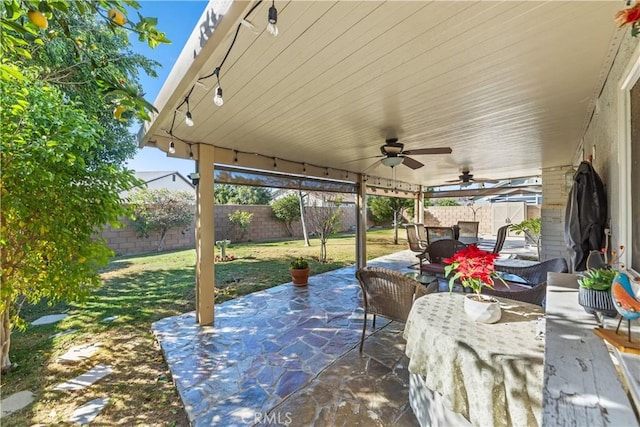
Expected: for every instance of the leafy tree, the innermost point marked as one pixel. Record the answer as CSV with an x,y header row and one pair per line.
x,y
532,229
447,202
158,211
224,193
55,194
389,208
240,222
32,26
227,194
253,195
287,210
324,220
63,147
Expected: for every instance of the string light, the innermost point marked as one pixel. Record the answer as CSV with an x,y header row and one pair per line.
x,y
217,98
172,147
272,28
190,152
188,119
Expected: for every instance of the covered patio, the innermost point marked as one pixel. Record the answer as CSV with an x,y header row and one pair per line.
x,y
390,98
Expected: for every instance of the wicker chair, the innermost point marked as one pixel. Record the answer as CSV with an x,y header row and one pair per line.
x,y
415,244
437,252
387,293
534,274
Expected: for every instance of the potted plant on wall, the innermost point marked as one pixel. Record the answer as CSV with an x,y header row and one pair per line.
x,y
594,293
299,269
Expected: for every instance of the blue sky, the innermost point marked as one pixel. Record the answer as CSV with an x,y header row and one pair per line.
x,y
177,19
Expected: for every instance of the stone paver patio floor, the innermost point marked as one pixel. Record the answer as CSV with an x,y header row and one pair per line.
x,y
268,345
289,356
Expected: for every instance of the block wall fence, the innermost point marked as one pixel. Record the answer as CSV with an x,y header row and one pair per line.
x,y
123,241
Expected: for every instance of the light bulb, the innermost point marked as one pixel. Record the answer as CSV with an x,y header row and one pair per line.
x,y
172,147
272,29
217,99
273,20
188,120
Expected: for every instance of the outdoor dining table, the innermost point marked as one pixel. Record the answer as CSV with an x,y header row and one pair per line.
x,y
489,374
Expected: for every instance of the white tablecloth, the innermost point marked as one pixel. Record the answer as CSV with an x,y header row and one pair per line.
x,y
490,373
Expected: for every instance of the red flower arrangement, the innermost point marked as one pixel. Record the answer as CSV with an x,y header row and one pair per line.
x,y
474,267
630,16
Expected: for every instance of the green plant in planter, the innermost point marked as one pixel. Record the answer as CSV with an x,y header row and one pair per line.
x,y
299,269
299,264
594,294
599,279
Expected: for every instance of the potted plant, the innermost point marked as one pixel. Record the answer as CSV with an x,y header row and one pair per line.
x,y
299,269
474,268
594,293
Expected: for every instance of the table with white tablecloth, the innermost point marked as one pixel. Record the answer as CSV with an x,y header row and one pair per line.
x,y
490,374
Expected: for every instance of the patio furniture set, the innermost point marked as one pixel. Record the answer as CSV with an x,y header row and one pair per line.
x,y
502,363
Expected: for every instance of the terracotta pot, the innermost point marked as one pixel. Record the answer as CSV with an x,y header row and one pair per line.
x,y
482,308
300,277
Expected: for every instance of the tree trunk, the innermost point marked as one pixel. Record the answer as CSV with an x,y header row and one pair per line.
x,y
304,226
395,227
163,234
323,249
5,338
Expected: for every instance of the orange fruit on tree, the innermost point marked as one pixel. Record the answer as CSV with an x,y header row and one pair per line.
x,y
117,17
37,18
118,111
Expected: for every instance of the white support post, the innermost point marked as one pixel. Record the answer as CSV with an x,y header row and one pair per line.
x,y
361,223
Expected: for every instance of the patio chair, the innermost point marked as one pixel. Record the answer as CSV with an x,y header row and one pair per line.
x,y
422,234
439,233
437,252
536,275
387,293
468,229
501,236
415,244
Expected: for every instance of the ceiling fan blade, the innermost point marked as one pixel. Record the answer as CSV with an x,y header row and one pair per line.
x,y
373,165
491,181
363,158
412,163
453,180
437,150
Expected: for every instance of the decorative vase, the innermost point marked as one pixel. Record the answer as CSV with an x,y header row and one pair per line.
x,y
594,300
300,277
482,308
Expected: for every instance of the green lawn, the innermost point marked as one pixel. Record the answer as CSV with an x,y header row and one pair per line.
x,y
140,290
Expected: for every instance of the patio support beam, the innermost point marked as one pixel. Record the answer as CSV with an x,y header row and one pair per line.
x,y
419,206
361,223
205,237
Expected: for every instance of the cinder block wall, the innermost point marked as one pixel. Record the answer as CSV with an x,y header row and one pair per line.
x,y
123,241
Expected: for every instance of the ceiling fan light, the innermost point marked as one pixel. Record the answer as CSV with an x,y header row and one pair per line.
x,y
391,161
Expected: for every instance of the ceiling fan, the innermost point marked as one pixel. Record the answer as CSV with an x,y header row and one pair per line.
x,y
393,154
466,178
